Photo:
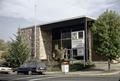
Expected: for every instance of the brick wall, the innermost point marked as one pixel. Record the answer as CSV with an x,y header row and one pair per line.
x,y
46,44
43,42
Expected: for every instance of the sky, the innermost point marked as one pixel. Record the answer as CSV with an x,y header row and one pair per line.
x,y
24,13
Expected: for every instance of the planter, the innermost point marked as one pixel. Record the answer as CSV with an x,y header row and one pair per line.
x,y
65,66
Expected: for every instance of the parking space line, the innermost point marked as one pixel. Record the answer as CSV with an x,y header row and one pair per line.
x,y
44,78
30,77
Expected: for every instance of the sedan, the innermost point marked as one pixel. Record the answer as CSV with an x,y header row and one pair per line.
x,y
32,67
4,69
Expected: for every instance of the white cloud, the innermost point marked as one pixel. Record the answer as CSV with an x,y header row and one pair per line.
x,y
48,10
21,12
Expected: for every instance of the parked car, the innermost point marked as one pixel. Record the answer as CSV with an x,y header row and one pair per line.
x,y
4,69
32,67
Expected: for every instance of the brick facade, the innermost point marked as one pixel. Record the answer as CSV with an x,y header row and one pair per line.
x,y
44,39
43,42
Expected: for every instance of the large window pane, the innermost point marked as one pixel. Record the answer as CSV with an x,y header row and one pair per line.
x,y
56,35
80,35
66,44
75,55
66,35
56,44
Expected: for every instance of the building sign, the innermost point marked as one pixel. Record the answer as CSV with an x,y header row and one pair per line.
x,y
78,42
74,35
77,39
80,52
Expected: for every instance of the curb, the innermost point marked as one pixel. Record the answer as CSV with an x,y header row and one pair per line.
x,y
53,72
84,74
97,74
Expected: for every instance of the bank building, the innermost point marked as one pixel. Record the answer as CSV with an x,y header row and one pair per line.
x,y
66,39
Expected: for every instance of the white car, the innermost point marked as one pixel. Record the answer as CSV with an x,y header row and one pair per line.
x,y
4,69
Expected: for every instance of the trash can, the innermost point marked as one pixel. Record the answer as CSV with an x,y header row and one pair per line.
x,y
65,67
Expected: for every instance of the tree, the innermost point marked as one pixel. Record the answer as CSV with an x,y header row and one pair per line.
x,y
3,45
17,52
3,50
106,35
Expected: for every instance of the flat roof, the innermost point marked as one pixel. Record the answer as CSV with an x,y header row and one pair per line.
x,y
71,18
67,22
63,21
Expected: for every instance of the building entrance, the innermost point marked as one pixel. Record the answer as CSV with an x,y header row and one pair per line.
x,y
69,43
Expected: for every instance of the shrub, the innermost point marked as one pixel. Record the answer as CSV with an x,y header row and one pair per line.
x,y
80,66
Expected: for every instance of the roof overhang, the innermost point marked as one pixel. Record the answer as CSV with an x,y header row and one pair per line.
x,y
67,22
64,23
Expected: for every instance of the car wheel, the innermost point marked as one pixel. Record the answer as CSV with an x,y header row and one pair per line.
x,y
18,73
29,72
40,73
10,72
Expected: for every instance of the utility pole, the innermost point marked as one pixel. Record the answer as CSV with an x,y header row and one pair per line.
x,y
35,6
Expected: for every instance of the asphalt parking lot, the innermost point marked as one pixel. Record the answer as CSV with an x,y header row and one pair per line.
x,y
56,77
21,77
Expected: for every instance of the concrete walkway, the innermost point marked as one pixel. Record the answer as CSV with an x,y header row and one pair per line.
x,y
99,69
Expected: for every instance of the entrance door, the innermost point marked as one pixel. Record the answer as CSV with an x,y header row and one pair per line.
x,y
67,54
76,54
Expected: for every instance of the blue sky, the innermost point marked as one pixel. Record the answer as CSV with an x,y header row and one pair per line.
x,y
20,13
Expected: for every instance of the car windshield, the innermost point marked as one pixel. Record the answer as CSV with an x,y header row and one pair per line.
x,y
33,64
25,65
2,65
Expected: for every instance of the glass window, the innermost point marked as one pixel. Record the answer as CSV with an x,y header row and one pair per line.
x,y
69,53
74,53
66,44
74,35
80,35
56,44
66,35
56,35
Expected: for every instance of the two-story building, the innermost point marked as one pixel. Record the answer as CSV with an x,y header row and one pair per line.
x,y
67,39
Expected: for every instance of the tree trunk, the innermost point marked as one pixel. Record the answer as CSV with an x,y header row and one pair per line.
x,y
109,61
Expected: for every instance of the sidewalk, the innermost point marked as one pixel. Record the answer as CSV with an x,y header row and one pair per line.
x,y
100,69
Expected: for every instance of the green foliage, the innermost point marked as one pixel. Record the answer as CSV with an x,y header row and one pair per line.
x,y
72,67
3,45
80,66
106,35
17,53
53,67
